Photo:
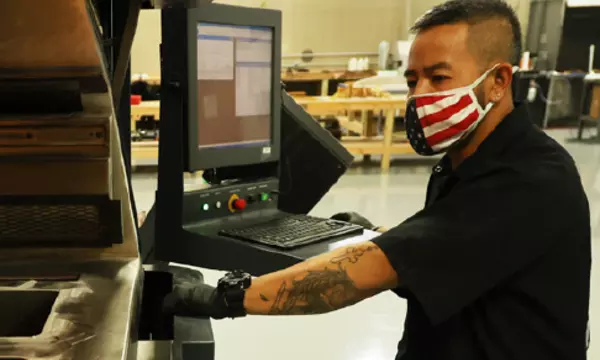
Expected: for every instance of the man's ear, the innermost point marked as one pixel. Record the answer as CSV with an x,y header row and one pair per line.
x,y
503,77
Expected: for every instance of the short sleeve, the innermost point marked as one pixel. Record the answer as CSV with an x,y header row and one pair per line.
x,y
457,249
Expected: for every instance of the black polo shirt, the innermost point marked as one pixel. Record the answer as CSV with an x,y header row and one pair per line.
x,y
497,265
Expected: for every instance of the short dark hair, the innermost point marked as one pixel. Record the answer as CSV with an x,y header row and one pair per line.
x,y
476,12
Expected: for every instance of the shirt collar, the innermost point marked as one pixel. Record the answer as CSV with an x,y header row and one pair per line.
x,y
513,125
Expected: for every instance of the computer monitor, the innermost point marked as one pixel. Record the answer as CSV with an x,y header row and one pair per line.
x,y
230,83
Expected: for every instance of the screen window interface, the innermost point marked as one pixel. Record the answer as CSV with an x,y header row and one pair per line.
x,y
234,86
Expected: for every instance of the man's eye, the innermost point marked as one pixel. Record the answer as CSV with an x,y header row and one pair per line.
x,y
439,78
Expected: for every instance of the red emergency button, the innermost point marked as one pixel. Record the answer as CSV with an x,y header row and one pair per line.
x,y
236,203
239,204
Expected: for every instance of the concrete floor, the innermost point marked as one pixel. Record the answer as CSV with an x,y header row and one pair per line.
x,y
371,329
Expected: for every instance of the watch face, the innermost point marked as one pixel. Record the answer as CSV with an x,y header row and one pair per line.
x,y
247,281
238,280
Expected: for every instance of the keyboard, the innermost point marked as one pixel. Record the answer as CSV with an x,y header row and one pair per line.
x,y
293,231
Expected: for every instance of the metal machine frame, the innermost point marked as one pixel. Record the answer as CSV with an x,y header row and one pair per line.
x,y
118,19
178,338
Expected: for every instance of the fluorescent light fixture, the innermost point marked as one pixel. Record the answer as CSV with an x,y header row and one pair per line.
x,y
581,3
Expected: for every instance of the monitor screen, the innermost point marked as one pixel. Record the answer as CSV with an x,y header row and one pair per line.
x,y
235,69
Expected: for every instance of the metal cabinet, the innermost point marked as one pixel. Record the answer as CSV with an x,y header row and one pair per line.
x,y
544,33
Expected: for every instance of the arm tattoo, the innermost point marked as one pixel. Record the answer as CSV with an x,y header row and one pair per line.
x,y
352,255
324,290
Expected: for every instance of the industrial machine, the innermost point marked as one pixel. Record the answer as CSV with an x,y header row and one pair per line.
x,y
72,284
221,113
70,272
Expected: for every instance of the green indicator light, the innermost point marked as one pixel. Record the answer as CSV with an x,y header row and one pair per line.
x,y
264,197
205,207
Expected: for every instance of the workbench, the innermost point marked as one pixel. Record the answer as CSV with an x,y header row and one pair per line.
x,y
145,151
363,145
322,80
146,108
326,79
588,113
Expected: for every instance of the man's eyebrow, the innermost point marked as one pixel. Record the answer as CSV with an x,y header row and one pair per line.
x,y
439,66
410,72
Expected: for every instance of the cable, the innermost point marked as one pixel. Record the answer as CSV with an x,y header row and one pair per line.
x,y
546,100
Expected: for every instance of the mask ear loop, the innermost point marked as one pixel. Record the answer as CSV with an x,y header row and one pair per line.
x,y
488,107
490,104
483,76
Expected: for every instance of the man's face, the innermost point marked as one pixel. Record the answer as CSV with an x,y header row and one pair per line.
x,y
440,60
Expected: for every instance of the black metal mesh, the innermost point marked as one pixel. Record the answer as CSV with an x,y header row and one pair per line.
x,y
44,222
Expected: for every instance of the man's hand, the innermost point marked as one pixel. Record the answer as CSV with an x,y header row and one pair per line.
x,y
354,218
196,300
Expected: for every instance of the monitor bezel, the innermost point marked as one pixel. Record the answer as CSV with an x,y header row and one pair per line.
x,y
208,158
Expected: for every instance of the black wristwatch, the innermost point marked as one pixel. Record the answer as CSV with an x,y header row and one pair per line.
x,y
233,287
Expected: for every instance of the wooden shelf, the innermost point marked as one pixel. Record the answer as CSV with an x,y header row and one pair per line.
x,y
146,152
316,106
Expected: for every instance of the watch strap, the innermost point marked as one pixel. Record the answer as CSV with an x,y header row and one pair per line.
x,y
234,300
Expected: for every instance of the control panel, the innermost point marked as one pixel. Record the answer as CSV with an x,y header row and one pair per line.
x,y
230,200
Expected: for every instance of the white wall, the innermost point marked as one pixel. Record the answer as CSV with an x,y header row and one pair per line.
x,y
324,26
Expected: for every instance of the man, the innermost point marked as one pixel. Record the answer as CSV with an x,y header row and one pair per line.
x,y
497,264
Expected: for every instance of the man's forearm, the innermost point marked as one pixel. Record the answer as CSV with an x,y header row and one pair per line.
x,y
325,283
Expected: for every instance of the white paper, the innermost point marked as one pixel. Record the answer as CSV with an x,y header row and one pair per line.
x,y
253,52
215,59
253,91
211,107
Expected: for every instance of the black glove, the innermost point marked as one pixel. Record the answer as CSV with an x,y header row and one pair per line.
x,y
354,218
196,300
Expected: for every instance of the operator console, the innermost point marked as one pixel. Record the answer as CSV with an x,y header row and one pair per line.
x,y
249,212
229,201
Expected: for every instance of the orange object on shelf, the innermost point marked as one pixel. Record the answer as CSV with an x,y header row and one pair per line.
x,y
136,99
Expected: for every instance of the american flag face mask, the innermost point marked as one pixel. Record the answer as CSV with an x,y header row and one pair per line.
x,y
436,121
